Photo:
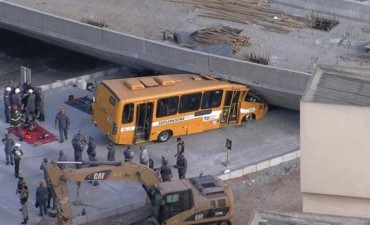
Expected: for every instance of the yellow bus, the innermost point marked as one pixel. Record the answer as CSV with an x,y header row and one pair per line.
x,y
141,109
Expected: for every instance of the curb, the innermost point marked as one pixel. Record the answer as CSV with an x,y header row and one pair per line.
x,y
260,165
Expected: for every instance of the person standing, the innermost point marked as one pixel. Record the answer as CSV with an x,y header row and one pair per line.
x,y
144,157
42,197
92,158
181,165
7,103
17,154
91,146
43,166
78,143
165,171
19,188
39,100
128,154
111,152
63,122
24,201
62,158
17,98
180,146
8,148
16,121
30,106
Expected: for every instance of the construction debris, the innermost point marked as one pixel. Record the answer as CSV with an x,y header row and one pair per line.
x,y
222,35
259,59
97,23
321,22
248,12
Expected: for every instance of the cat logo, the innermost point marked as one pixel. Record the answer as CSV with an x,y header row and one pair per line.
x,y
99,176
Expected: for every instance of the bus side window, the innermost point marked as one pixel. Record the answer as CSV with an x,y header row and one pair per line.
x,y
211,99
190,102
128,113
167,106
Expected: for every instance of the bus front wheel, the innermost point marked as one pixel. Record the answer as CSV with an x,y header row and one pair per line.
x,y
164,136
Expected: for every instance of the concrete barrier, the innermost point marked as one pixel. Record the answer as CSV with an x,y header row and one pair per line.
x,y
258,166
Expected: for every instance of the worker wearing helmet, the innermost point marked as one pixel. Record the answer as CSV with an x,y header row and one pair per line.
x,y
40,104
7,103
17,153
17,98
16,121
30,105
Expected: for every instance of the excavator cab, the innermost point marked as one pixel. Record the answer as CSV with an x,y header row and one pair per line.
x,y
171,204
192,201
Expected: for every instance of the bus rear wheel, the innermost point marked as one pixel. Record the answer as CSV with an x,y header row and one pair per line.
x,y
164,136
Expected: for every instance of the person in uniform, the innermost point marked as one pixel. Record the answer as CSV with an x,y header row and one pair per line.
x,y
181,165
128,154
91,146
165,171
144,157
92,158
8,148
7,103
180,147
40,101
19,188
78,143
43,167
30,106
42,197
62,121
111,152
23,196
17,154
17,98
16,121
62,158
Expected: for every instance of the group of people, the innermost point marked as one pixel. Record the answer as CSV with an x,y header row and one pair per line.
x,y
181,163
13,153
23,103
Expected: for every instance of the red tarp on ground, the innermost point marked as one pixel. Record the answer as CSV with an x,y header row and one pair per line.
x,y
35,137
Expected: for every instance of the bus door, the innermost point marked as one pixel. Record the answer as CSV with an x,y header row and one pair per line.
x,y
230,110
144,116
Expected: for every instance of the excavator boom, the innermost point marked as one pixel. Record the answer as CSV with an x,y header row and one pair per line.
x,y
99,171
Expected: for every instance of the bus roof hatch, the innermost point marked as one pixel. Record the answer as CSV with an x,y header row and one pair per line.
x,y
166,80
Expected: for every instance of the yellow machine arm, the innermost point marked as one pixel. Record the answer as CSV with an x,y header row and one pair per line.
x,y
100,171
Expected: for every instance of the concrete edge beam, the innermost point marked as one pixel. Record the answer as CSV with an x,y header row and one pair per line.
x,y
260,165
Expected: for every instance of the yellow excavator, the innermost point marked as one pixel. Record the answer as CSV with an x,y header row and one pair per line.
x,y
198,200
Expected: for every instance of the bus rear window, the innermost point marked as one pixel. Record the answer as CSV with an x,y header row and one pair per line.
x,y
112,100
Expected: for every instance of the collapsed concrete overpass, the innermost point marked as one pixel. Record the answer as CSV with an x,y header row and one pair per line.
x,y
279,87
